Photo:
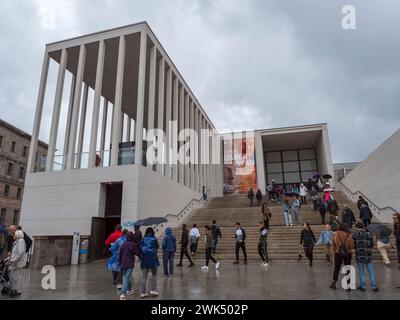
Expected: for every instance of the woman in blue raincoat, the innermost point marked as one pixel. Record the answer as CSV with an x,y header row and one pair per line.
x,y
113,262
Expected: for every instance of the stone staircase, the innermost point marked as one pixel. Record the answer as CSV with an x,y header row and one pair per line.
x,y
283,241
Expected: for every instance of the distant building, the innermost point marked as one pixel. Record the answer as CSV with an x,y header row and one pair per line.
x,y
341,170
14,149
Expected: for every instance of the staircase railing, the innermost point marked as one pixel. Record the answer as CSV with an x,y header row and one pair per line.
x,y
376,210
182,214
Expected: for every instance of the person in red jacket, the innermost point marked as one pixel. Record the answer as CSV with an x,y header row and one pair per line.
x,y
114,236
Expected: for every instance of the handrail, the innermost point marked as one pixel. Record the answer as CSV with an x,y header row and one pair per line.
x,y
182,212
366,198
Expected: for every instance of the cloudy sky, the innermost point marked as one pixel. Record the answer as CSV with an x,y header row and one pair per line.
x,y
251,64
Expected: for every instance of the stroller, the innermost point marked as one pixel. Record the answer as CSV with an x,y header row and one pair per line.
x,y
5,277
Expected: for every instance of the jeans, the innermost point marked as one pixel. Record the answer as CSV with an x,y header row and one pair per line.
x,y
288,218
383,249
240,245
168,260
309,253
323,217
214,244
127,280
339,260
209,256
193,246
153,284
361,274
117,277
297,217
263,251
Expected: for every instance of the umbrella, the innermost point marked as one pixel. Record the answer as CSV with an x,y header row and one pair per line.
x,y
329,190
327,176
317,176
379,229
151,221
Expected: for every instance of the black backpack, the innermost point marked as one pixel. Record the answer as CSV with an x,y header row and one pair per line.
x,y
342,252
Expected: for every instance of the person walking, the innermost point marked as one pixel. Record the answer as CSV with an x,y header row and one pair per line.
x,y
307,242
114,236
365,214
113,261
396,232
360,202
348,216
209,248
383,245
240,236
266,215
149,262
364,243
17,263
137,238
225,190
270,192
184,247
322,210
287,213
194,237
169,249
216,234
303,193
325,239
259,197
314,197
250,196
296,210
262,244
343,248
332,207
127,254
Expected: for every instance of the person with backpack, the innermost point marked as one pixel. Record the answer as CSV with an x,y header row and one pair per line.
x,y
332,207
314,197
325,239
365,214
209,248
250,196
194,237
216,233
149,262
364,244
259,197
184,247
137,238
127,254
307,242
169,249
348,216
334,223
240,236
360,202
343,248
262,244
296,210
322,210
266,215
113,261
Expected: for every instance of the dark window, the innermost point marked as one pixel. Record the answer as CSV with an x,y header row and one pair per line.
x,y
16,217
10,169
25,151
6,190
1,141
19,192
13,146
22,173
3,216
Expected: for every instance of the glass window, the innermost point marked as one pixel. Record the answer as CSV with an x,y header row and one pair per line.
x,y
292,177
308,174
6,190
290,155
3,216
10,169
1,141
25,151
13,146
278,177
22,173
19,191
307,154
308,165
273,156
16,217
291,166
274,167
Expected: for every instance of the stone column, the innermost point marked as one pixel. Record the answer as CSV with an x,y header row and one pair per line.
x,y
82,124
103,130
192,145
56,111
167,124
181,126
96,104
174,141
187,127
38,114
260,162
152,94
117,110
69,118
160,116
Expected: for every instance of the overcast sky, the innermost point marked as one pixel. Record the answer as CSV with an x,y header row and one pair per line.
x,y
251,64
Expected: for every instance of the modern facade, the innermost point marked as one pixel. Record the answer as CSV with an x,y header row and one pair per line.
x,y
137,89
343,169
14,146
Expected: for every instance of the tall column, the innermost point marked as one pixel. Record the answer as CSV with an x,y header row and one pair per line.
x,y
117,113
38,114
69,118
128,128
160,118
75,112
56,111
96,104
181,165
200,148
174,141
192,144
103,131
187,127
140,99
82,125
152,94
260,162
167,124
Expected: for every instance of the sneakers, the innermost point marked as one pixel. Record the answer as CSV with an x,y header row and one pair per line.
x,y
262,264
265,264
217,265
154,293
119,286
131,292
205,268
144,295
375,289
122,297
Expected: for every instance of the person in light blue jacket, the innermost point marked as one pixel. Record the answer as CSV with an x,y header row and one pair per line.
x,y
287,213
325,239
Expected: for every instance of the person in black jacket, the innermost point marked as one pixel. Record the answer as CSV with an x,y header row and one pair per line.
x,y
184,247
361,201
250,196
307,241
240,236
348,216
216,233
322,210
259,197
365,214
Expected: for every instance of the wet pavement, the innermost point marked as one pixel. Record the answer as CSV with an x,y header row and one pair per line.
x,y
232,282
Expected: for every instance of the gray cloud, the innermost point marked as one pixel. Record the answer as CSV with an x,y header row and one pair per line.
x,y
252,64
